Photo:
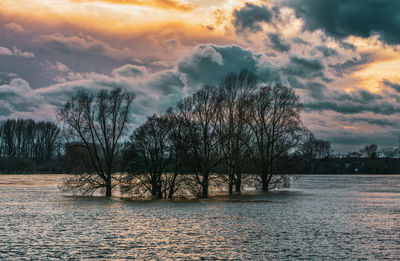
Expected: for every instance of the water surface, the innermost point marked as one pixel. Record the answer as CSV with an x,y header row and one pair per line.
x,y
320,217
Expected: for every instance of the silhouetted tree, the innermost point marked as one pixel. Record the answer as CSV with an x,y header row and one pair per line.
x,y
369,151
313,148
235,91
182,151
98,123
200,116
274,119
152,154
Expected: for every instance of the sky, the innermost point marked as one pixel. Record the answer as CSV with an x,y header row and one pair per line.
x,y
341,56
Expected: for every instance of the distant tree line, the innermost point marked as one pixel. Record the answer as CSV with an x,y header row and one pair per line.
x,y
368,160
29,146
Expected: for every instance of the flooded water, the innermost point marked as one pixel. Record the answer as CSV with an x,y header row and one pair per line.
x,y
320,217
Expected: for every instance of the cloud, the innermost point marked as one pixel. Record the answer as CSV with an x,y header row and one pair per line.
x,y
355,102
208,64
164,4
354,64
299,40
83,43
277,43
155,91
250,18
130,70
326,51
394,86
14,27
316,90
17,97
382,122
304,68
15,52
57,66
348,141
5,78
343,18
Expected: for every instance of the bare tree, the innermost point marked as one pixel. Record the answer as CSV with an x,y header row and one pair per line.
x,y
182,151
98,123
274,119
390,152
200,115
313,148
151,155
235,90
369,151
30,142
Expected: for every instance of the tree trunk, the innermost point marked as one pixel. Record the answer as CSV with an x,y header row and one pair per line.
x,y
156,190
238,183
172,186
231,182
205,185
108,186
265,182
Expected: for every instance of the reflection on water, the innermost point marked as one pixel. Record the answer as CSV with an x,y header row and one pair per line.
x,y
320,217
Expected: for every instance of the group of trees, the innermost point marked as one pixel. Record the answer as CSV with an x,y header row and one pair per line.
x,y
316,157
26,145
214,137
210,139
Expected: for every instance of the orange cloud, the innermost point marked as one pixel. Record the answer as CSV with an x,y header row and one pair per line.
x,y
164,4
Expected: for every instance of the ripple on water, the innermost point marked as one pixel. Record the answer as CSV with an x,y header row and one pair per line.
x,y
321,217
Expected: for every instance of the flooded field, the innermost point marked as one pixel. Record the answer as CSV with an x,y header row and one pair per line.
x,y
320,217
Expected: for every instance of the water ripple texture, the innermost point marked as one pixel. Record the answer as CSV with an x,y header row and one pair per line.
x,y
320,218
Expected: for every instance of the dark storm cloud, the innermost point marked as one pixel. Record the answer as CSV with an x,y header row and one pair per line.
x,y
316,90
208,64
16,95
4,112
348,46
377,121
155,91
277,43
295,83
351,108
358,101
304,68
79,53
355,102
352,65
298,40
350,139
250,18
326,51
5,78
167,82
394,86
343,18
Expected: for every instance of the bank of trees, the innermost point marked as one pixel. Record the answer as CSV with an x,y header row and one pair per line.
x,y
29,146
217,137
